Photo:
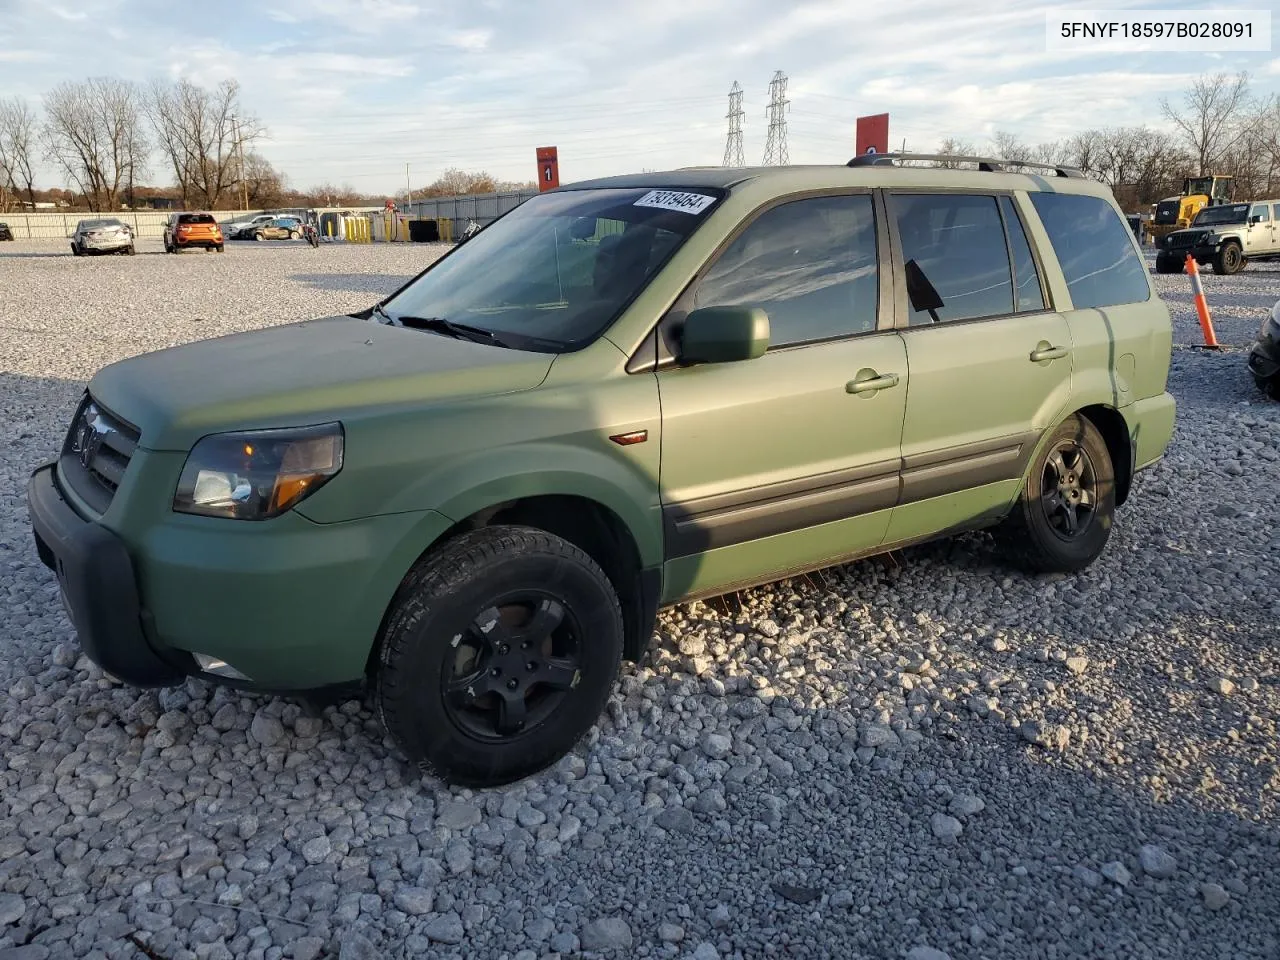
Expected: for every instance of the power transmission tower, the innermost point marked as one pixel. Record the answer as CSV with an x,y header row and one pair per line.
x,y
733,145
775,144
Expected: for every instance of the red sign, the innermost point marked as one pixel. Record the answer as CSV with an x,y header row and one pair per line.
x,y
548,168
391,204
873,134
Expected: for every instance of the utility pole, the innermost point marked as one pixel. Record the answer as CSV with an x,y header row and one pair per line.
x,y
408,191
733,145
775,145
244,183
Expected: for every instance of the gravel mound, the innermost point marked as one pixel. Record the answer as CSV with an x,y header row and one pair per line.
x,y
926,754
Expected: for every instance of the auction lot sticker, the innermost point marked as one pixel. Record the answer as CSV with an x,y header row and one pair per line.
x,y
1140,31
674,200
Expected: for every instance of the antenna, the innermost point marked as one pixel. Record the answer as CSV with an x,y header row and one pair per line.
x,y
733,156
775,145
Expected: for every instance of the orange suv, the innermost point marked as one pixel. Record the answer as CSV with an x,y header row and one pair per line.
x,y
184,230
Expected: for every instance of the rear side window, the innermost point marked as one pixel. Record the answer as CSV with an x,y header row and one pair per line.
x,y
1095,250
957,262
1276,208
811,264
1028,296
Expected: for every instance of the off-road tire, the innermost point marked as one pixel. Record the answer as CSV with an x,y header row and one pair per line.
x,y
437,603
1169,265
1228,260
1029,539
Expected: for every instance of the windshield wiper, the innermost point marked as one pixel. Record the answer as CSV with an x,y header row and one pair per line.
x,y
459,331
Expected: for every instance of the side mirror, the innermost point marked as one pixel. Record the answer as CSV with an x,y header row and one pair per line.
x,y
724,335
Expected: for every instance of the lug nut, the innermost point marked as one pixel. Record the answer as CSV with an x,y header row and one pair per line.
x,y
511,684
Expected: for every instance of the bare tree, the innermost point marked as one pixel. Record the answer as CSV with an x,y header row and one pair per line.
x,y
1210,121
954,147
266,186
93,131
197,129
18,146
1007,146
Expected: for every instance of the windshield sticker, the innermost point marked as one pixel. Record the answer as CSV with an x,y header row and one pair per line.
x,y
671,200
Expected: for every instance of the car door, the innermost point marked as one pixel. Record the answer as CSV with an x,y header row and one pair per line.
x,y
1261,230
788,461
990,362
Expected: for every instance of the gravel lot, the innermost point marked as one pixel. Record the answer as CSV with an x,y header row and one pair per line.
x,y
921,756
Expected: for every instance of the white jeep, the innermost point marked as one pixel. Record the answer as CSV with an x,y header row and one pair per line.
x,y
1227,236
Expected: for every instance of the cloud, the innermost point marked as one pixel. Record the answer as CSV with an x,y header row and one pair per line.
x,y
65,14
24,56
353,89
472,40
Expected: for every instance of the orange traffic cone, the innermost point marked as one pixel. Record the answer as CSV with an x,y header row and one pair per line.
x,y
1202,305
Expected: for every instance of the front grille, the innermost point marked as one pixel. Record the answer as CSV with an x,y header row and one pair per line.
x,y
96,453
1183,241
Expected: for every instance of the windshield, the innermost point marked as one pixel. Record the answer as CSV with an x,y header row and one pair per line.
x,y
1234,213
558,268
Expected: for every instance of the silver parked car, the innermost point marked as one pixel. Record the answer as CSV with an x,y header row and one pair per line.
x,y
105,235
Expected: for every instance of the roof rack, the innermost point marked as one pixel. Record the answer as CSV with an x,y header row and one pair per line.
x,y
987,164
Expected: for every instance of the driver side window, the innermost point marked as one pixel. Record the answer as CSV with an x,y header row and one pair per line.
x,y
811,264
1261,212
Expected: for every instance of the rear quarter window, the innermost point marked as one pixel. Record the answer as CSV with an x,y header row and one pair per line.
x,y
1095,249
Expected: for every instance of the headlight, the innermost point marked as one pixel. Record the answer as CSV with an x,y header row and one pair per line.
x,y
1271,325
258,474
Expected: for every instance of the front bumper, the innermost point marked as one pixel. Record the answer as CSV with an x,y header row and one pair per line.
x,y
1264,359
292,605
99,590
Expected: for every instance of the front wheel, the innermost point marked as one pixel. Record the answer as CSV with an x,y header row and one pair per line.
x,y
1230,259
1169,265
130,251
1064,514
258,236
498,655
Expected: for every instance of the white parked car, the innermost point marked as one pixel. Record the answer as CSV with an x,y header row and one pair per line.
x,y
104,235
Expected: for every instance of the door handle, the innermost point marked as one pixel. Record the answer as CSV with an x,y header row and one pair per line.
x,y
872,384
1045,351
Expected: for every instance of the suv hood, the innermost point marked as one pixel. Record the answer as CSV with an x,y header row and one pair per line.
x,y
302,373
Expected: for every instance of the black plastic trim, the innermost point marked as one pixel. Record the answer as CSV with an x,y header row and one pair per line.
x,y
96,576
696,526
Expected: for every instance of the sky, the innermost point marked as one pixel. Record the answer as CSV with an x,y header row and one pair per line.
x,y
350,91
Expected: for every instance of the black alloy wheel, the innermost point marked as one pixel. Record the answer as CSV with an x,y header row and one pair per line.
x,y
512,667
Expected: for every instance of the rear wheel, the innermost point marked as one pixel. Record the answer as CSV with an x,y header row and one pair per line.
x,y
1230,259
259,236
294,235
1063,517
498,654
218,248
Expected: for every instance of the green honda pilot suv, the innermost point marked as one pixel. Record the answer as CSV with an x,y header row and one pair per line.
x,y
472,498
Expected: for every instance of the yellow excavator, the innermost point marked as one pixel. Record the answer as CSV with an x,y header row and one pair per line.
x,y
1175,213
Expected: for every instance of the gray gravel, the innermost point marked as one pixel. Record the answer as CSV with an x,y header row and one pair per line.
x,y
925,755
